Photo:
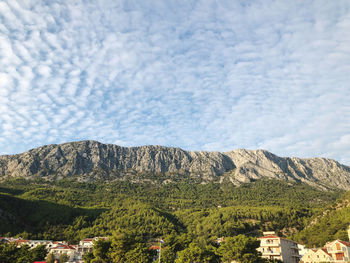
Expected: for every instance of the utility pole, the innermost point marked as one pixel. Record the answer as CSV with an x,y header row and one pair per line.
x,y
160,248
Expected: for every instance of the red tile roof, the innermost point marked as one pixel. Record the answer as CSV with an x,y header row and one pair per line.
x,y
326,251
269,236
154,247
345,243
22,241
62,246
88,239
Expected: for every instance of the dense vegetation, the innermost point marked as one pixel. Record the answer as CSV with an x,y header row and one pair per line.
x,y
330,224
11,253
188,216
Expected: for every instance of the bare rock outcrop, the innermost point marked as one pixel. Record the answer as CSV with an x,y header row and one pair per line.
x,y
96,160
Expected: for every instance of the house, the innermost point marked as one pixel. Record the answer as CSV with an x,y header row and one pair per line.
x,y
219,240
21,242
86,245
275,247
335,251
339,250
316,255
69,250
34,243
302,250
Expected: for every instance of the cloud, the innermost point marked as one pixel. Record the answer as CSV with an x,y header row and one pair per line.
x,y
203,75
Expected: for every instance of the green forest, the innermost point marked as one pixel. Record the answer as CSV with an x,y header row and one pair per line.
x,y
189,217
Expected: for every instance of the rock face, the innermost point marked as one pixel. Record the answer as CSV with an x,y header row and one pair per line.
x,y
92,159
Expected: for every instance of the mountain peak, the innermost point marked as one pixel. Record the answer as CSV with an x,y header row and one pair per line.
x,y
93,160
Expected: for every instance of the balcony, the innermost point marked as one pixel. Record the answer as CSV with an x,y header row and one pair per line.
x,y
271,253
267,244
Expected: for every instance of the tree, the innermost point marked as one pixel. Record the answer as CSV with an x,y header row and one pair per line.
x,y
241,249
39,253
120,246
88,257
139,254
23,254
63,258
168,255
101,250
196,254
50,258
11,253
8,252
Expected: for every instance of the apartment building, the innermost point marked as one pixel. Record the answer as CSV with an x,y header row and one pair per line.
x,y
275,247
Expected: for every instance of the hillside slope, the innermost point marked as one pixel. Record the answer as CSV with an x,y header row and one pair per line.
x,y
93,160
330,224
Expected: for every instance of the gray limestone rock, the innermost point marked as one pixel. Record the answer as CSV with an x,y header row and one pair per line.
x,y
96,160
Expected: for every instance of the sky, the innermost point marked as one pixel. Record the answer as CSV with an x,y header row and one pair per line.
x,y
199,75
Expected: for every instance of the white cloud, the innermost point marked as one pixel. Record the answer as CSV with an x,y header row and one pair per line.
x,y
203,75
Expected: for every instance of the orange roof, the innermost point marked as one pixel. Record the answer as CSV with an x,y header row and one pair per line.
x,y
154,247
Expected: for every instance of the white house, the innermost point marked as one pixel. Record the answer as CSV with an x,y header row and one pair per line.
x,y
334,251
69,250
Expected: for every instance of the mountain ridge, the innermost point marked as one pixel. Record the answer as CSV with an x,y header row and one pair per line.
x,y
94,160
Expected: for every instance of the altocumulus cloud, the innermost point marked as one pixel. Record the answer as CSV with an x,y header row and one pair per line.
x,y
201,75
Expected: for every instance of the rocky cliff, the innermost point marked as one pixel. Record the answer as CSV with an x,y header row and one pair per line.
x,y
91,159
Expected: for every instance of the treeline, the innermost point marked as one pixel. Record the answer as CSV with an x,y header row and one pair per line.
x,y
179,195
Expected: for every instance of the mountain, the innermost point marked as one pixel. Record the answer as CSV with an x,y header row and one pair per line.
x,y
89,160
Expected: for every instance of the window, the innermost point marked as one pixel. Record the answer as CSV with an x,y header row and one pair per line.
x,y
338,246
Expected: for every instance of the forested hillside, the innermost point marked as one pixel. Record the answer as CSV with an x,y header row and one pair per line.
x,y
70,210
329,224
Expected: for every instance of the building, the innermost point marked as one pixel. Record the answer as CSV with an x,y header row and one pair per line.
x,y
86,245
335,251
70,250
340,250
302,250
316,255
34,243
274,247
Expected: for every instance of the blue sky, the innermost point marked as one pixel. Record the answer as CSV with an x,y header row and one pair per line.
x,y
199,75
